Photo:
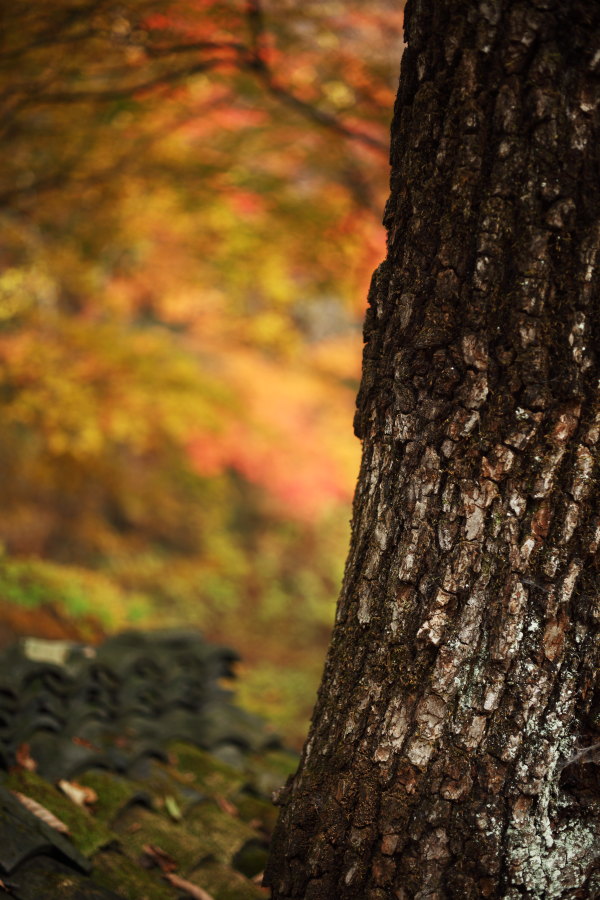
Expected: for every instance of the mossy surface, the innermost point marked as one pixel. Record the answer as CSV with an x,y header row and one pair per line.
x,y
156,801
139,827
117,871
222,883
209,819
251,859
279,762
87,832
256,811
209,774
43,879
166,783
221,833
269,771
114,793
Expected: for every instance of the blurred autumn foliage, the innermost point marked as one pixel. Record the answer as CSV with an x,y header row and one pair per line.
x,y
190,196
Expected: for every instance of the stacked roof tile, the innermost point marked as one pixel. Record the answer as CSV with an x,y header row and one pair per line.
x,y
173,778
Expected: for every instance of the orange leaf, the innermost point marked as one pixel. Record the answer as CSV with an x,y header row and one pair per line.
x,y
78,793
161,859
226,806
24,759
83,742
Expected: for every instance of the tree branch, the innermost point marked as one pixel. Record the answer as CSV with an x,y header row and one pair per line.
x,y
259,65
194,46
250,58
133,90
319,116
55,34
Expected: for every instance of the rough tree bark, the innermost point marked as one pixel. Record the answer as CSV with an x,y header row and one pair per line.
x,y
446,755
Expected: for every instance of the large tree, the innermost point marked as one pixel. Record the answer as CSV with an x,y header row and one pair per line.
x,y
450,753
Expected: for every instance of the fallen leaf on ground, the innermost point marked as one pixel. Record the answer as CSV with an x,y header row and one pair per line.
x,y
226,806
83,742
161,859
24,759
186,776
41,812
172,808
192,889
78,793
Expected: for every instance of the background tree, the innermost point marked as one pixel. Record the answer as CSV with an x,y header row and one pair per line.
x,y
188,207
451,749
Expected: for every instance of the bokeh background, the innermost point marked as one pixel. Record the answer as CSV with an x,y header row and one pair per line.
x,y
190,206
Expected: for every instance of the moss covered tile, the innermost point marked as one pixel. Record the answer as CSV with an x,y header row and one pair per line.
x,y
222,883
116,871
210,775
221,833
87,833
138,827
114,793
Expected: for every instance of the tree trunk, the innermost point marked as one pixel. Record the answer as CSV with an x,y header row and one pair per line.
x,y
447,755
